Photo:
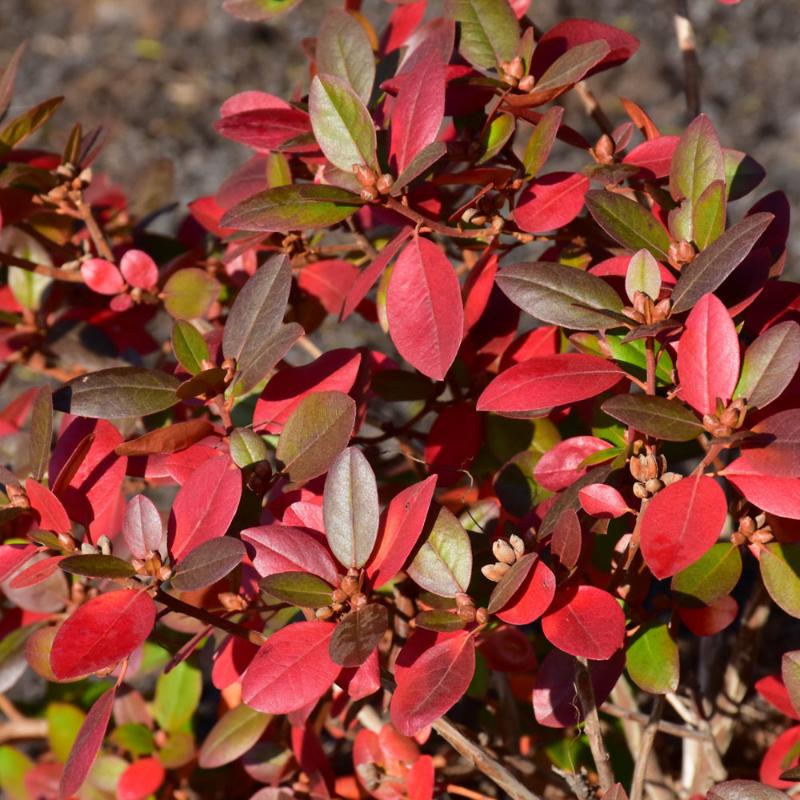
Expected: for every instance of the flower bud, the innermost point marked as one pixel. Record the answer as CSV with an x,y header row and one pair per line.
x,y
527,84
365,175
463,599
368,195
481,616
384,183
747,525
503,551
604,149
349,585
654,485
326,612
358,600
467,613
339,596
518,544
515,68
640,491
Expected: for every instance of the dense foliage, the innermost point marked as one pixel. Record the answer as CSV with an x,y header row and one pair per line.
x,y
529,517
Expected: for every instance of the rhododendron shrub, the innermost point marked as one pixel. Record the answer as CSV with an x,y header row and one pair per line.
x,y
442,452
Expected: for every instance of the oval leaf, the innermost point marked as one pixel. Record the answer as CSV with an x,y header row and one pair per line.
x,y
97,566
207,563
652,659
655,416
681,523
350,508
769,364
298,588
232,736
142,527
551,201
357,634
344,51
102,632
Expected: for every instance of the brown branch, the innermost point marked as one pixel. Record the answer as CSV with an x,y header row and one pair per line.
x,y
23,729
669,728
592,107
98,237
173,604
476,756
648,739
436,227
56,273
684,32
602,760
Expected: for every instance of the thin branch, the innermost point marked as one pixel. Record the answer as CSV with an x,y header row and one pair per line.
x,y
23,729
684,31
592,107
98,237
648,739
476,756
436,227
173,604
56,273
669,728
602,760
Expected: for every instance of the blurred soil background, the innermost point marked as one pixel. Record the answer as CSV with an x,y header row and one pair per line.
x,y
154,73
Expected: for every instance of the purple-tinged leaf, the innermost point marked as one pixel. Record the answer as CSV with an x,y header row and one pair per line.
x,y
357,634
207,563
142,527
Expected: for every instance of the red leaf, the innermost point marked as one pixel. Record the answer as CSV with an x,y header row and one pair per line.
x,y
654,155
780,456
453,442
142,527
555,701
710,620
551,201
586,622
404,20
402,525
13,556
102,632
567,539
532,598
102,276
291,669
420,779
334,371
775,693
139,269
95,484
36,573
544,382
205,505
366,679
140,779
478,288
708,356
86,746
329,282
782,755
561,466
433,684
52,514
572,32
283,549
426,319
418,110
250,101
264,129
602,500
779,496
681,523
364,282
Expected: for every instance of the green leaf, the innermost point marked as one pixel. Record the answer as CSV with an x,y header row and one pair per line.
x,y
178,751
628,223
708,216
515,486
232,736
439,620
790,672
97,566
315,433
258,10
296,207
350,508
189,346
19,128
207,563
177,696
208,382
489,31
712,576
643,275
570,67
117,392
561,295
279,173
342,125
541,142
63,723
259,362
709,269
494,138
301,589
247,447
28,288
697,162
344,51
443,564
357,634
135,738
769,364
256,316
41,432
189,293
655,416
742,173
13,767
780,571
652,659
